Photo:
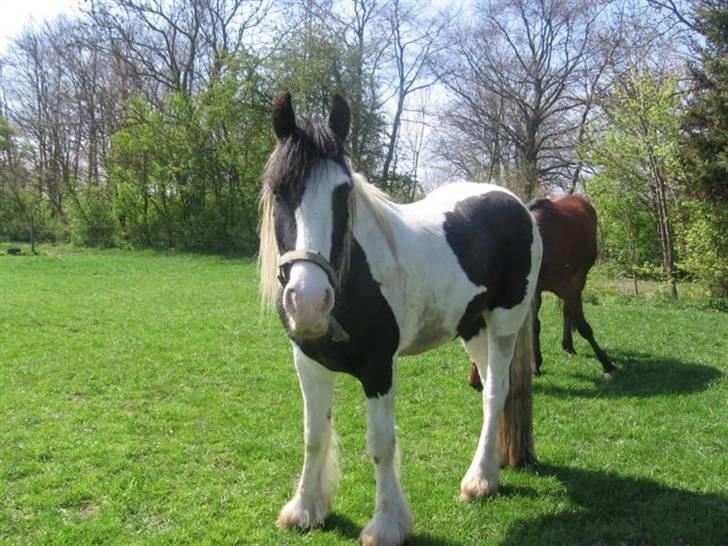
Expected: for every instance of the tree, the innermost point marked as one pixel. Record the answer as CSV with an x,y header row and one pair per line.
x,y
187,175
706,122
174,46
705,152
627,236
21,208
638,155
415,40
378,54
519,93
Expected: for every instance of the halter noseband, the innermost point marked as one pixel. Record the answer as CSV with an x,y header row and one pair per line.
x,y
305,256
337,332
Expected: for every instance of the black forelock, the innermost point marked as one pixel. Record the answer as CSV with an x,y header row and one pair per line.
x,y
296,154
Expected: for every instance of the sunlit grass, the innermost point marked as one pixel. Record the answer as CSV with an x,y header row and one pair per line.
x,y
144,401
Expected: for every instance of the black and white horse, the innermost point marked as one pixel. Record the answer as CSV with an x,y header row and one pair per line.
x,y
360,281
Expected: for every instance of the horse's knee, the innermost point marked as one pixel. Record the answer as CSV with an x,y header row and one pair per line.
x,y
381,441
381,445
317,442
495,394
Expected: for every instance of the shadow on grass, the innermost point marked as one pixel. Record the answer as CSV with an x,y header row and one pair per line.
x,y
344,527
612,509
641,375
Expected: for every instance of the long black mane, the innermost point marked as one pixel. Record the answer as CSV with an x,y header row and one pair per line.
x,y
295,155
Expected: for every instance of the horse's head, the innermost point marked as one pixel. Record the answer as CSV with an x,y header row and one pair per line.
x,y
306,189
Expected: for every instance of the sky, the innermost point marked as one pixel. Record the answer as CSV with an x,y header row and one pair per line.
x,y
17,14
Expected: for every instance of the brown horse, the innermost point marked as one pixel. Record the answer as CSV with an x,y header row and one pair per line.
x,y
568,226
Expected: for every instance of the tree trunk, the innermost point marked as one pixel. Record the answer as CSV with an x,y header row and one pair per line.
x,y
32,234
665,232
392,142
632,256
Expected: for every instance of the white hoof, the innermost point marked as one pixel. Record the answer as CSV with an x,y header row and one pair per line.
x,y
303,514
387,529
477,486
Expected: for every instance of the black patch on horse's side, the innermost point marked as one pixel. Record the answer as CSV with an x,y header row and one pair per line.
x,y
472,322
372,328
491,235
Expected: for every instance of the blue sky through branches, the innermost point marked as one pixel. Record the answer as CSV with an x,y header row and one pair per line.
x,y
16,15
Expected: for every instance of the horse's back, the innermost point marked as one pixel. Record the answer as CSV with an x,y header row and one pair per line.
x,y
490,235
490,232
447,196
568,227
580,220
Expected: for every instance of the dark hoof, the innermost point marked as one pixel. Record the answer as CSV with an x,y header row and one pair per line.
x,y
608,367
570,350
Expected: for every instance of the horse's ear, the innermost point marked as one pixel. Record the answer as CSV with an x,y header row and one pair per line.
x,y
340,117
284,119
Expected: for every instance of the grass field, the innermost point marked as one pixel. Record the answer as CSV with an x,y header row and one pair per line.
x,y
143,401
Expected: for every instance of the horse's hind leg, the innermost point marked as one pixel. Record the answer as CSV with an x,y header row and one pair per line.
x,y
537,357
392,521
582,326
477,349
493,358
567,340
311,503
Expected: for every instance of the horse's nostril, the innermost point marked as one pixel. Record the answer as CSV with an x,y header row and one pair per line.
x,y
289,300
328,300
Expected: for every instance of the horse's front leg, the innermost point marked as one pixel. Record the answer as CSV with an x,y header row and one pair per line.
x,y
311,503
481,479
392,521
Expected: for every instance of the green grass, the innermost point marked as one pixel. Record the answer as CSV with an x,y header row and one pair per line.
x,y
143,401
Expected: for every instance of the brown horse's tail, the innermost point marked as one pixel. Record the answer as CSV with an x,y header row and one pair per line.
x,y
515,426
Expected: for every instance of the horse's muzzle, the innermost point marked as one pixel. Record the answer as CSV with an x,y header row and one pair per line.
x,y
309,333
308,318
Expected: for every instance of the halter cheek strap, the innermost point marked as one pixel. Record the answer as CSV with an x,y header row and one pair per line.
x,y
337,332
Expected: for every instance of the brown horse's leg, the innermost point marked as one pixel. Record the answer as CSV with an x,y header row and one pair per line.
x,y
537,356
474,377
567,341
577,314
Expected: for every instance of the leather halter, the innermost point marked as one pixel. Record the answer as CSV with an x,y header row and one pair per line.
x,y
305,256
337,332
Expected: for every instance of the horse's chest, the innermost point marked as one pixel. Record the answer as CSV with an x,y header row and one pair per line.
x,y
368,317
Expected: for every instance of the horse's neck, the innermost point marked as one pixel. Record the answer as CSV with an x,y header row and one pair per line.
x,y
377,226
